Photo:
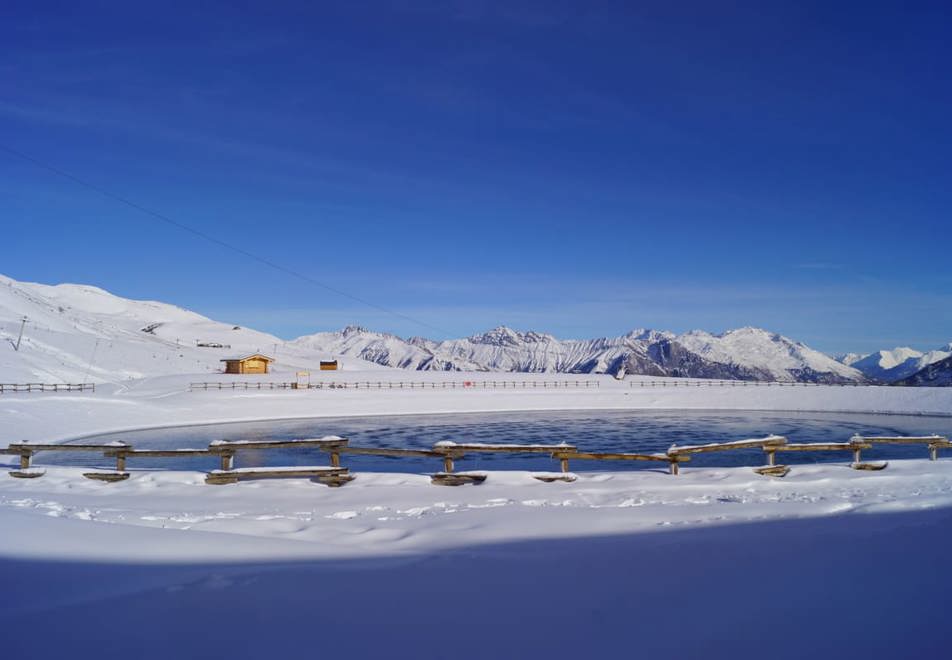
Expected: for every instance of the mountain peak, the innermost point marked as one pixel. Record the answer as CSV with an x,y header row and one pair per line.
x,y
498,336
751,331
351,330
647,334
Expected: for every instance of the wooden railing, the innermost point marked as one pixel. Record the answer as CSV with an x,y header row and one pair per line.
x,y
704,382
395,385
47,387
336,475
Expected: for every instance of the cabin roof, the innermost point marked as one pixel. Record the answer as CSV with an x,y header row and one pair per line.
x,y
247,357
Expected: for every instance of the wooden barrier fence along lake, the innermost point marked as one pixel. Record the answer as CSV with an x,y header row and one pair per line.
x,y
448,452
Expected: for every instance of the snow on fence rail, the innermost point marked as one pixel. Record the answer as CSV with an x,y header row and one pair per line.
x,y
394,385
336,475
47,387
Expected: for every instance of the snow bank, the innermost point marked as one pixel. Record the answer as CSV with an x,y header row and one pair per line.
x,y
163,566
397,513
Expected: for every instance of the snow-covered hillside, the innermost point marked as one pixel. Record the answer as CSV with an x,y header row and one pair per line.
x,y
78,333
889,366
937,374
747,353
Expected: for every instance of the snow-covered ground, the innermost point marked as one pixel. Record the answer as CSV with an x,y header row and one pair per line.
x,y
718,562
384,514
715,563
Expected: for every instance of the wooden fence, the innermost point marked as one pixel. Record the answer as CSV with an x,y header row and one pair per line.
x,y
396,385
698,382
47,387
336,475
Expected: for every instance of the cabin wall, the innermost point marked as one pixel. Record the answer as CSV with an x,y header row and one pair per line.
x,y
254,367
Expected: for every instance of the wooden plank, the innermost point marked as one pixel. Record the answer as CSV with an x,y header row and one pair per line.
x,y
221,479
329,475
461,448
822,446
550,477
159,453
457,478
219,446
901,440
109,477
773,441
874,465
773,470
19,448
390,451
27,473
595,456
292,470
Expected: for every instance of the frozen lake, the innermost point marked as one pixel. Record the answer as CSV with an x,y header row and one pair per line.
x,y
619,431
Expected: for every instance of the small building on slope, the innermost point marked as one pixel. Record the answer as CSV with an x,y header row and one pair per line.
x,y
256,363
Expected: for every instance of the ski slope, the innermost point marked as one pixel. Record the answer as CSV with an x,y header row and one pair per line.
x,y
80,333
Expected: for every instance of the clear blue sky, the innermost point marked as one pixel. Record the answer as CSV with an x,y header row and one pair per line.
x,y
581,168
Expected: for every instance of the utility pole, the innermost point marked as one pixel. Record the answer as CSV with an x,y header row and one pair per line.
x,y
16,346
91,358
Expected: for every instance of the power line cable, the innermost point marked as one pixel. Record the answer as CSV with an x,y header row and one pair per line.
x,y
216,241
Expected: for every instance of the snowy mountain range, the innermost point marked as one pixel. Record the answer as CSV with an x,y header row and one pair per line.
x,y
937,374
747,353
896,364
79,333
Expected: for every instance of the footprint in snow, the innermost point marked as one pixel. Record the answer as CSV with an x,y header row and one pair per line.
x,y
534,502
498,501
343,515
630,502
415,512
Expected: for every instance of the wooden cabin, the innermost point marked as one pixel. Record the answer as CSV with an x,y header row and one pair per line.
x,y
256,363
330,365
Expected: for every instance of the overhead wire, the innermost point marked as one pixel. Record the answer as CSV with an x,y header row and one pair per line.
x,y
217,241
